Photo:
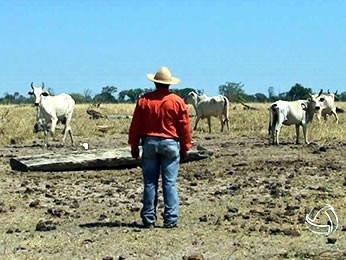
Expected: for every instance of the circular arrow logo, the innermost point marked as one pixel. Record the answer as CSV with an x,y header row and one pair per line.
x,y
322,220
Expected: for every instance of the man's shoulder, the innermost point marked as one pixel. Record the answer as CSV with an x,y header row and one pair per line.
x,y
176,96
168,95
147,95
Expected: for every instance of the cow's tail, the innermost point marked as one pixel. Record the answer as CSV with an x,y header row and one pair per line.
x,y
226,111
273,117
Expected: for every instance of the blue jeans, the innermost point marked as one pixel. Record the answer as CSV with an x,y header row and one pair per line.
x,y
160,155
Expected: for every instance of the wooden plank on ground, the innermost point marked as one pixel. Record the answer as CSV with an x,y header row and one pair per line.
x,y
119,158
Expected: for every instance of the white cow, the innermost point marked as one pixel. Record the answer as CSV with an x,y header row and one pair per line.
x,y
298,113
51,110
327,106
206,107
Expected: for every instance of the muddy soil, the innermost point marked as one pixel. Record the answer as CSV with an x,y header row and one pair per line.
x,y
249,200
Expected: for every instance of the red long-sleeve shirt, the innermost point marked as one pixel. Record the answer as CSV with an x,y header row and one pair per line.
x,y
161,113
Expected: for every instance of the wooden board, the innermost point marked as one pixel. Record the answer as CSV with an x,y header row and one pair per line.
x,y
119,158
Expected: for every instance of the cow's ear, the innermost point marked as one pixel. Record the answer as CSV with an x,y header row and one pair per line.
x,y
304,107
31,93
45,94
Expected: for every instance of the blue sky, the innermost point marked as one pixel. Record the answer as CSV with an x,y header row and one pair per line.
x,y
74,45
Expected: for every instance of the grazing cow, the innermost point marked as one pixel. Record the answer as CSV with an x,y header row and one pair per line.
x,y
51,110
298,113
327,106
206,107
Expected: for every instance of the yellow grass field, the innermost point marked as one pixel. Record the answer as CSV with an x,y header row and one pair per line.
x,y
18,123
247,201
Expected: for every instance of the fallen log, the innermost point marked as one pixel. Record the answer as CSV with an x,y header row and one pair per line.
x,y
114,117
247,107
103,128
95,114
119,158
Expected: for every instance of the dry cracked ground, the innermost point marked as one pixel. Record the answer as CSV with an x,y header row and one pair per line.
x,y
248,201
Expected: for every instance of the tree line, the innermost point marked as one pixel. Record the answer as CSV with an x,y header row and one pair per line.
x,y
234,91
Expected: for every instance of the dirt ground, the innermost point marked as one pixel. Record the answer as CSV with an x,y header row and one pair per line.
x,y
248,201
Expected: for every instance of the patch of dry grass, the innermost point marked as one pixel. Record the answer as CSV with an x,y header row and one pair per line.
x,y
18,124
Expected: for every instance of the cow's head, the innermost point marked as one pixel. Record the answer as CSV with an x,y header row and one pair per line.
x,y
313,103
191,98
37,92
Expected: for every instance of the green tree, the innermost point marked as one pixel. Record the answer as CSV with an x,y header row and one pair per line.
x,y
130,95
104,98
15,98
298,92
342,96
109,89
233,91
106,95
87,95
260,97
282,95
134,94
122,96
79,98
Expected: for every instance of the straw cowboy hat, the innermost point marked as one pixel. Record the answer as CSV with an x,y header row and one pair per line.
x,y
163,76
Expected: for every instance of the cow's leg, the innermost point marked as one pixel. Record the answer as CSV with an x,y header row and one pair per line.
x,y
276,131
270,124
325,116
45,132
297,134
277,134
273,133
222,122
68,130
336,116
209,124
305,127
54,121
227,123
196,122
71,136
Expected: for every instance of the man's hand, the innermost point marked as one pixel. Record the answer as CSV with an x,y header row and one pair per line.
x,y
183,155
135,152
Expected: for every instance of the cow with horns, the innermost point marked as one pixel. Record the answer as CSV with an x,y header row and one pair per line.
x,y
328,106
51,110
298,113
206,107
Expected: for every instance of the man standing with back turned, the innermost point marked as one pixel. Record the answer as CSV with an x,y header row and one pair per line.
x,y
161,123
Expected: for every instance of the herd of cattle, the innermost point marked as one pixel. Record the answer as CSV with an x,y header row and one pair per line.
x,y
300,113
54,109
